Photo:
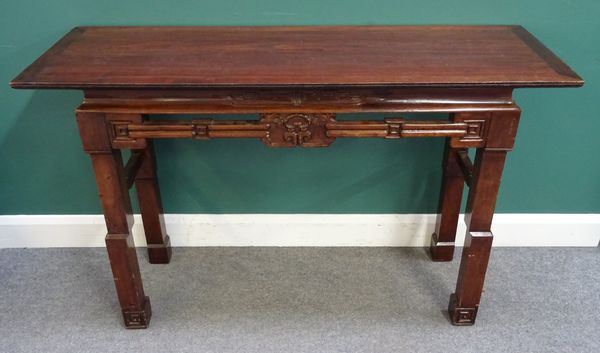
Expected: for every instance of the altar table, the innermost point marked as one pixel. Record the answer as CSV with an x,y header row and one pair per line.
x,y
297,79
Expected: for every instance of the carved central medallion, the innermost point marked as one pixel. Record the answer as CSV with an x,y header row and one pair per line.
x,y
297,129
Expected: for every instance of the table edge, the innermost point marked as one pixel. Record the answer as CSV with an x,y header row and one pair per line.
x,y
24,81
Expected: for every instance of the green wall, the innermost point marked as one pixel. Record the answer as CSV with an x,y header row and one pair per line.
x,y
555,167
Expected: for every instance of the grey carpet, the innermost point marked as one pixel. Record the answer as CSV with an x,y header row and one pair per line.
x,y
300,300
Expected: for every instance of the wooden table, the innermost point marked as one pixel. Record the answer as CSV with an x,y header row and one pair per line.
x,y
297,78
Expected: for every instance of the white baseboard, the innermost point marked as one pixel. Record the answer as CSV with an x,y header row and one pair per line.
x,y
299,230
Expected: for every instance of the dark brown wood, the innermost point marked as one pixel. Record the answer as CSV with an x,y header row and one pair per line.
x,y
466,166
297,99
297,129
283,129
114,196
132,167
183,57
442,241
148,193
297,79
487,172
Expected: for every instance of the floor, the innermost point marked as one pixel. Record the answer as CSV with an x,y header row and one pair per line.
x,y
300,300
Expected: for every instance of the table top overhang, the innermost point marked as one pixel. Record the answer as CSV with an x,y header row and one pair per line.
x,y
302,56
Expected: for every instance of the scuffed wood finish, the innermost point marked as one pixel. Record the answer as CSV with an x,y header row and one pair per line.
x,y
487,172
114,196
297,79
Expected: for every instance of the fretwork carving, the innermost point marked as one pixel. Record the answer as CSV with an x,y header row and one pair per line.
x,y
293,129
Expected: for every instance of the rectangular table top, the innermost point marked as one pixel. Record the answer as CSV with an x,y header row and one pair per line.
x,y
195,57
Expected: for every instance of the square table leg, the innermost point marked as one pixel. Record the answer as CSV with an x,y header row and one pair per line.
x,y
110,178
148,193
487,172
442,241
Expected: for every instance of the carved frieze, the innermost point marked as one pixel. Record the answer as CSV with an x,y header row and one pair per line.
x,y
294,129
297,129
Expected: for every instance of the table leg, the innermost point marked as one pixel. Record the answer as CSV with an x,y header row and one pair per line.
x,y
442,241
487,172
114,196
148,193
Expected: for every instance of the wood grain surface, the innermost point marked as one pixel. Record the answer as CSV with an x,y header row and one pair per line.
x,y
179,57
